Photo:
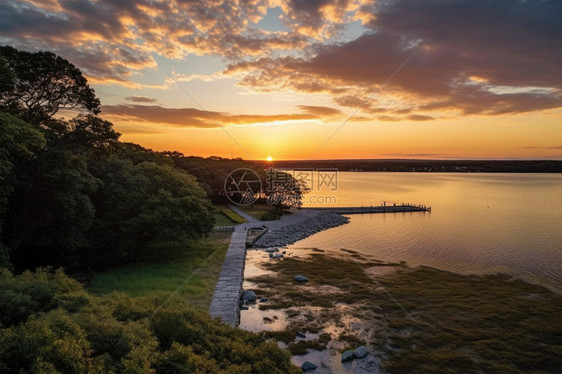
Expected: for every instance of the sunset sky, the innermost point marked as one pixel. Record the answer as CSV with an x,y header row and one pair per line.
x,y
314,79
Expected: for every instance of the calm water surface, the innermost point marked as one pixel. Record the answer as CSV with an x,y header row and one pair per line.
x,y
480,223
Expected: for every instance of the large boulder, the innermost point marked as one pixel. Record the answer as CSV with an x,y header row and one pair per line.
x,y
301,278
361,352
347,356
308,366
249,296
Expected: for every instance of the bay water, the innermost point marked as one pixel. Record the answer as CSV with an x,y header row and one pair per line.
x,y
479,223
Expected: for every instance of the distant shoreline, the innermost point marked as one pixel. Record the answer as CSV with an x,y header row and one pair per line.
x,y
440,166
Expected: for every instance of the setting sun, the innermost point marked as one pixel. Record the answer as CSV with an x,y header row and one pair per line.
x,y
269,158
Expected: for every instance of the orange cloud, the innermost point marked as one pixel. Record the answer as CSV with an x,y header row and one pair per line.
x,y
191,117
140,99
320,110
419,117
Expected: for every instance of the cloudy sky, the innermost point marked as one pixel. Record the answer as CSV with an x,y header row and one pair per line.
x,y
314,79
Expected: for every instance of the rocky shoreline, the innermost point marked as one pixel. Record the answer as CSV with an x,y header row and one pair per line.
x,y
291,233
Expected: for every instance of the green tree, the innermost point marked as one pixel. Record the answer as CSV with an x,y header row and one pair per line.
x,y
36,292
39,84
50,343
142,207
19,145
283,190
82,135
178,206
49,214
212,172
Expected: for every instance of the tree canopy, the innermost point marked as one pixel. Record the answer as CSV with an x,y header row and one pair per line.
x,y
36,85
50,324
20,144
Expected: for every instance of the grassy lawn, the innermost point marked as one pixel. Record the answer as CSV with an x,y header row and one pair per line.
x,y
224,216
264,212
194,273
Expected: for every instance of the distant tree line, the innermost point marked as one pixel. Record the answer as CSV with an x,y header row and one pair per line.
x,y
458,166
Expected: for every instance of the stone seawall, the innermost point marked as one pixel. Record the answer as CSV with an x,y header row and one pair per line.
x,y
291,233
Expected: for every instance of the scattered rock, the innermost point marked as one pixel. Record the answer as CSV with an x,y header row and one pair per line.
x,y
361,352
276,256
301,278
301,334
244,307
249,296
264,300
271,250
308,366
347,356
369,364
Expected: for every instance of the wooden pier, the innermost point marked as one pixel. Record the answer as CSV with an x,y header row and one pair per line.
x,y
372,209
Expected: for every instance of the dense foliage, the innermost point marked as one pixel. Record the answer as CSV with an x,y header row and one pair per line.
x,y
19,143
144,205
72,195
49,324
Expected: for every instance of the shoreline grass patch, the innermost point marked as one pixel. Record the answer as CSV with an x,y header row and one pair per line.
x,y
422,320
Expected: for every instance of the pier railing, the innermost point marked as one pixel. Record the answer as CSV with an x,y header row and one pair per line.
x,y
224,228
385,208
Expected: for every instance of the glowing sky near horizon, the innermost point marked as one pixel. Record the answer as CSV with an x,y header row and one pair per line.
x,y
313,79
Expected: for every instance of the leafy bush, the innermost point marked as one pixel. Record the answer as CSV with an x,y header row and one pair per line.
x,y
51,325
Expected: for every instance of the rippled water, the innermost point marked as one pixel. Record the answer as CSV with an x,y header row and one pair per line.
x,y
480,223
